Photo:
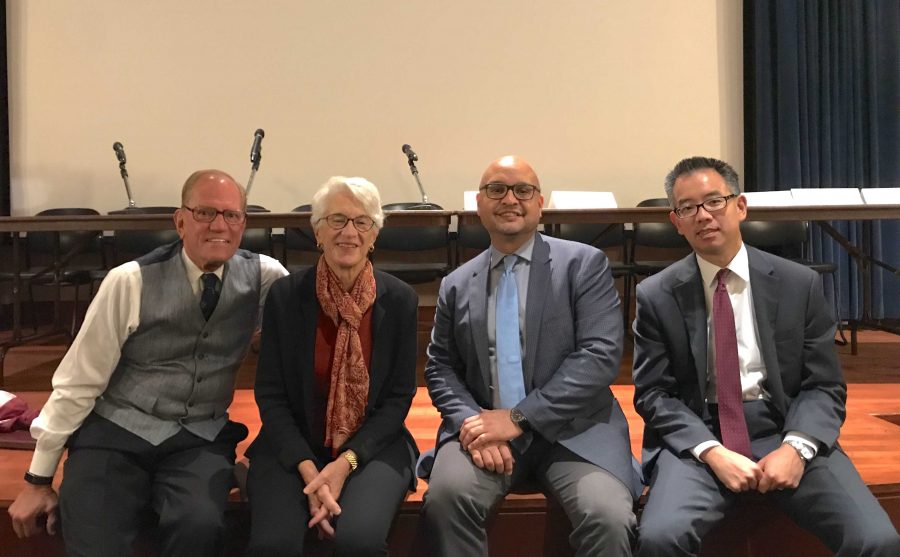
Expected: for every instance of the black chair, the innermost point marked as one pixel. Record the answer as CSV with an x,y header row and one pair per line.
x,y
789,239
471,239
403,250
611,238
300,249
59,260
257,240
131,244
659,238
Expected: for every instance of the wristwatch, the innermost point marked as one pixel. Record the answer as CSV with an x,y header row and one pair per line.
x,y
518,418
34,479
806,454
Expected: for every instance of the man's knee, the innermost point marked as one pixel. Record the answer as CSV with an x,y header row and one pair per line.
x,y
452,495
666,536
876,538
202,519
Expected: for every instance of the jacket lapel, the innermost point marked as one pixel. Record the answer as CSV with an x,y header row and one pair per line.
x,y
690,299
477,297
765,284
538,286
379,353
305,350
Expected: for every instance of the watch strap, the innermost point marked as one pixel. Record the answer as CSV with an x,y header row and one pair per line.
x,y
34,479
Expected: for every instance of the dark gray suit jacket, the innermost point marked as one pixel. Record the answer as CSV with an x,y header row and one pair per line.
x,y
573,346
796,339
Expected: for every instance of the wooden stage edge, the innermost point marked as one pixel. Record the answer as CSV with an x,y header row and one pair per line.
x,y
870,436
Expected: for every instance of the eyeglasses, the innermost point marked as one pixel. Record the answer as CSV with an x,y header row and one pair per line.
x,y
208,214
338,221
711,205
522,192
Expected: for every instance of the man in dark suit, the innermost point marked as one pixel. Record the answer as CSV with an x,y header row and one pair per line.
x,y
527,339
739,385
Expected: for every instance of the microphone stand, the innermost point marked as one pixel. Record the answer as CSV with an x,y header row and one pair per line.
x,y
255,157
415,173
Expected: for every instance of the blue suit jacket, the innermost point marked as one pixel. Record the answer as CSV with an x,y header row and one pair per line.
x,y
796,338
573,346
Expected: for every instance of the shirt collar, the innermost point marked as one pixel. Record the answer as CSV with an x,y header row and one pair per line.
x,y
524,252
194,272
739,266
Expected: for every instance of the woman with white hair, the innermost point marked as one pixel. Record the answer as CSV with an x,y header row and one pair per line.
x,y
335,380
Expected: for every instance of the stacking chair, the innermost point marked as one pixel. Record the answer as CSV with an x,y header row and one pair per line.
x,y
131,244
471,239
414,254
660,238
300,249
59,260
788,239
257,240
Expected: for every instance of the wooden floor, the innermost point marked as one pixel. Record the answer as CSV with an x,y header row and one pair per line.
x,y
870,436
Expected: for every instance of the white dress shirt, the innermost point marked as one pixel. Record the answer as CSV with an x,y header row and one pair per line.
x,y
85,370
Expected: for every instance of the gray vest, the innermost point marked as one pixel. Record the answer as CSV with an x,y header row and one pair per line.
x,y
177,369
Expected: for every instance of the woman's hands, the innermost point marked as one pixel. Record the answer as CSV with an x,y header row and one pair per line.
x,y
323,490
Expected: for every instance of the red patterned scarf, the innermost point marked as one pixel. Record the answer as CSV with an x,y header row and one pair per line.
x,y
349,391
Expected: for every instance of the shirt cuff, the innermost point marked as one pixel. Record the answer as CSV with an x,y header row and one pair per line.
x,y
44,463
803,438
698,450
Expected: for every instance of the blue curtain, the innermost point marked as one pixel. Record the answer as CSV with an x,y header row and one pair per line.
x,y
822,109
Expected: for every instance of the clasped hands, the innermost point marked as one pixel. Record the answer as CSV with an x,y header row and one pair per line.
x,y
323,489
780,469
486,437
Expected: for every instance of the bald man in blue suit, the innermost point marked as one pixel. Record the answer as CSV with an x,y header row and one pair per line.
x,y
565,430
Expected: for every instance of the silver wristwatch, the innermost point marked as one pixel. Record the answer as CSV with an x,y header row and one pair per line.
x,y
803,450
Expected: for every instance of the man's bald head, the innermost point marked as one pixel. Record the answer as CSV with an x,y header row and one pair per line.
x,y
211,175
510,165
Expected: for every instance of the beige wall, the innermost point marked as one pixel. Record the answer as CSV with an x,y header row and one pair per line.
x,y
602,95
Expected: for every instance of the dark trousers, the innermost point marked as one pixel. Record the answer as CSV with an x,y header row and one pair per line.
x,y
113,478
279,511
686,499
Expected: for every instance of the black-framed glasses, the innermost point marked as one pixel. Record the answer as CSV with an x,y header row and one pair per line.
x,y
338,221
711,205
522,192
209,214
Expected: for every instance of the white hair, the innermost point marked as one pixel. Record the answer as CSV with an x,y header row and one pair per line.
x,y
361,189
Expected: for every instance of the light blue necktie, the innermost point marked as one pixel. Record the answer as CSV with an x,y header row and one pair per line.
x,y
509,347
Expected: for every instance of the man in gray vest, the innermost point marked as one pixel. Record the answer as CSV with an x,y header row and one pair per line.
x,y
141,398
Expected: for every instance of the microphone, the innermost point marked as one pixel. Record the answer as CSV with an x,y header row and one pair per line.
x,y
410,154
120,155
412,158
256,149
120,152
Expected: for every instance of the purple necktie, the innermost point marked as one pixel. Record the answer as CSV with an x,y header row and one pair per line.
x,y
732,423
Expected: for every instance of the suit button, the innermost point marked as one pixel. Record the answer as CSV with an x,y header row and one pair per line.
x,y
190,404
201,356
199,380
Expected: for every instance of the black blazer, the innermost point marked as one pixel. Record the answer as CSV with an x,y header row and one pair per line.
x,y
285,376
